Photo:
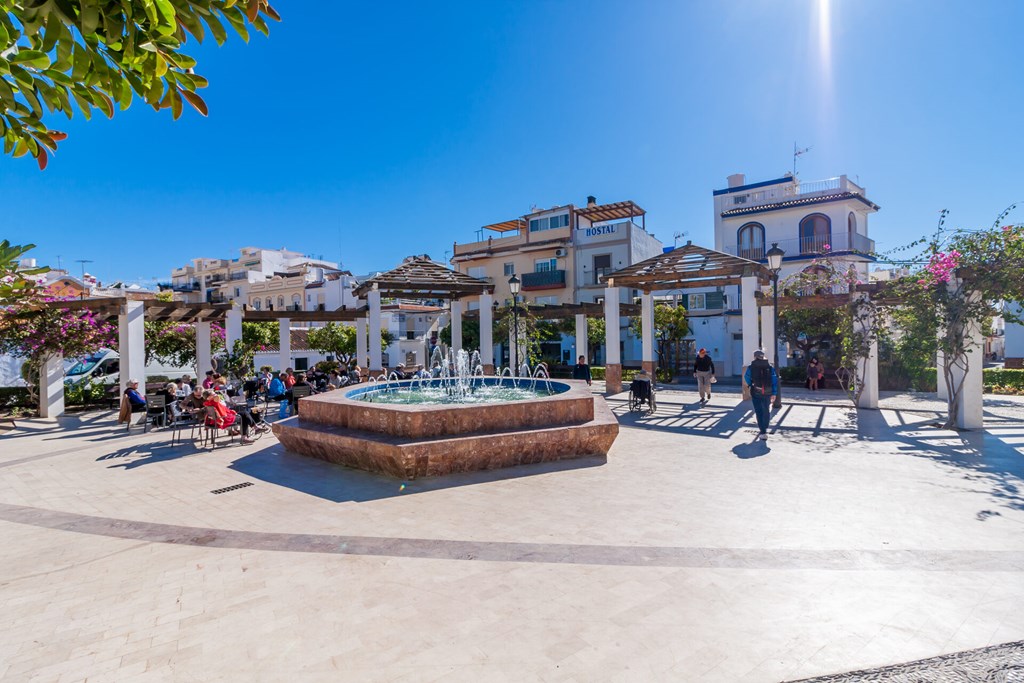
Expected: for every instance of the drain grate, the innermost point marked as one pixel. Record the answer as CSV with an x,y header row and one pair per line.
x,y
231,488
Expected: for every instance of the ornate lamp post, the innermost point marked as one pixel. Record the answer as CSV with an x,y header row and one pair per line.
x,y
774,257
514,286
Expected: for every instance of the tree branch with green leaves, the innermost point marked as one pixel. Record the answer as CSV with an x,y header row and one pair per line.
x,y
62,55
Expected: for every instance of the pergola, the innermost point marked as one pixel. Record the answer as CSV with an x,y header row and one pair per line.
x,y
133,310
420,278
686,267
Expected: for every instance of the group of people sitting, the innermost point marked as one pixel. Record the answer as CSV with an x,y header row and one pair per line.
x,y
279,387
209,403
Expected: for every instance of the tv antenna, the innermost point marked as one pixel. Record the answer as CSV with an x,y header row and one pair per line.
x,y
797,152
83,261
678,236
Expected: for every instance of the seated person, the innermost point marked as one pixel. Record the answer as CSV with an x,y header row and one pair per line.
x,y
136,400
193,403
335,380
277,390
355,374
400,372
225,418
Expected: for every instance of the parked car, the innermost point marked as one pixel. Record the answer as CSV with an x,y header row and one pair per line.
x,y
104,367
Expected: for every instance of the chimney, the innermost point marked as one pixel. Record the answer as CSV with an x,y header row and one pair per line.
x,y
591,201
27,263
737,179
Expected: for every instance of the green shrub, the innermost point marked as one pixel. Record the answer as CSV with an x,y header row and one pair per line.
x,y
793,374
327,365
597,372
999,377
14,397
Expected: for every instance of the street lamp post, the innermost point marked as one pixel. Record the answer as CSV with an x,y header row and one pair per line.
x,y
514,286
774,257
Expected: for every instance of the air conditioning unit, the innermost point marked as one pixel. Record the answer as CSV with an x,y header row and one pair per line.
x,y
561,252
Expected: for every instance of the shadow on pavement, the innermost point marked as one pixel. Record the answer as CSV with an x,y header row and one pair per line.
x,y
747,451
275,465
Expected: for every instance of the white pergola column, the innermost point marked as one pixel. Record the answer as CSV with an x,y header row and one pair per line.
x,y
233,328
284,344
647,331
456,309
373,301
131,344
867,368
204,349
51,387
487,332
613,359
361,359
941,391
767,334
748,308
970,414
582,346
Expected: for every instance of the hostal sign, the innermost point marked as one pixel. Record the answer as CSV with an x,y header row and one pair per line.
x,y
600,232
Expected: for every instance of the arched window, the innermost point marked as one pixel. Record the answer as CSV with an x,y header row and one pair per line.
x,y
851,230
750,240
280,302
270,304
815,234
256,304
296,302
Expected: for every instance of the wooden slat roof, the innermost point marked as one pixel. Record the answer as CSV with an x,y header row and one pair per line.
x,y
611,212
688,266
421,278
506,226
560,311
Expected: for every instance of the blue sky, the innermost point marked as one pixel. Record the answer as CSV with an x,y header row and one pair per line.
x,y
366,132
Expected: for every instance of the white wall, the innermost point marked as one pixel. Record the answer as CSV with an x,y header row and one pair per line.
x,y
1014,340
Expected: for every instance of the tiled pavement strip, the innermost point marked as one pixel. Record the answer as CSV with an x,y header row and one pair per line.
x,y
691,554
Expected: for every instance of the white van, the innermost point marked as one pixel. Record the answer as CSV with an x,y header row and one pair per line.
x,y
104,367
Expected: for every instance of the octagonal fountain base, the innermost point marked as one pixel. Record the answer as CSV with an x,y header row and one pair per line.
x,y
425,440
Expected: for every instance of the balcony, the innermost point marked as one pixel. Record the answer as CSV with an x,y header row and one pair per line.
x,y
814,245
793,190
186,287
545,279
600,274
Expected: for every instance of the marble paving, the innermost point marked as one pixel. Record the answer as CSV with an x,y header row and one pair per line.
x,y
846,543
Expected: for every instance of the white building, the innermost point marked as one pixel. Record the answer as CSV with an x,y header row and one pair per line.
x,y
225,280
808,221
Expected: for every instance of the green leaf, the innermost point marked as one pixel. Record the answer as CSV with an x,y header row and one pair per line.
x,y
35,58
217,29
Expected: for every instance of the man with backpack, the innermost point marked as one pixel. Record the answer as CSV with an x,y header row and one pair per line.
x,y
764,384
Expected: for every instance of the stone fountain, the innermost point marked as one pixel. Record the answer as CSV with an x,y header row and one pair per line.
x,y
456,421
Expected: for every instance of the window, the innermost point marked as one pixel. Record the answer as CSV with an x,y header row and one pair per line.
x,y
696,302
750,240
256,304
851,227
478,271
546,300
739,199
302,364
815,234
510,269
549,223
270,304
602,266
280,302
237,293
544,265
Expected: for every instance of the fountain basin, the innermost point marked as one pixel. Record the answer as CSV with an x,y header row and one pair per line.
x,y
417,440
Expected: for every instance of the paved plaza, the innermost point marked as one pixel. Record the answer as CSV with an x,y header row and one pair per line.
x,y
847,541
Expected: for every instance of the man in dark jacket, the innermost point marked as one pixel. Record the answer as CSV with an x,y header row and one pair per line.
x,y
764,384
704,371
582,370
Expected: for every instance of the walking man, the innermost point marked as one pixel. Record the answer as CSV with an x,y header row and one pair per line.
x,y
704,371
582,370
764,384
